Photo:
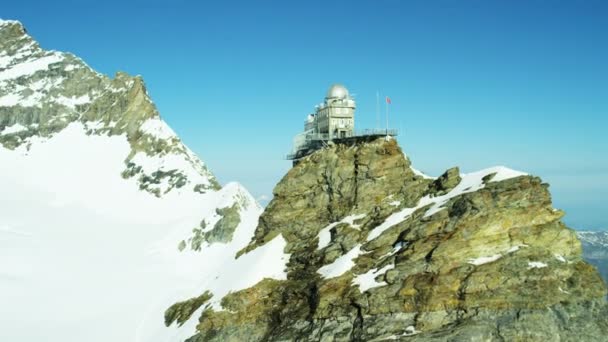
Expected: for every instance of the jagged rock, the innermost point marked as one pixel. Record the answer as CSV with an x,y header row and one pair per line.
x,y
378,253
224,228
446,182
181,312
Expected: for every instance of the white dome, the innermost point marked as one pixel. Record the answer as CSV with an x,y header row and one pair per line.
x,y
337,91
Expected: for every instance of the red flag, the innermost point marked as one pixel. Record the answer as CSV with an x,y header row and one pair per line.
x,y
388,100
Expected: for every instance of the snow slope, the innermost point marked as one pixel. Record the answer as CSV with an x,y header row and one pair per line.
x,y
83,249
85,253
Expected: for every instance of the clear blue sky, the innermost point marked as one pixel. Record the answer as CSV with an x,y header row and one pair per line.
x,y
473,83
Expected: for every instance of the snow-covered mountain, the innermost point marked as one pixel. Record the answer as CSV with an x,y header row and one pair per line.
x,y
595,250
106,217
111,229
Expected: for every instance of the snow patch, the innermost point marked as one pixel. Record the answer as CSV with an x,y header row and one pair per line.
x,y
367,280
9,100
352,218
536,264
267,261
324,235
484,259
170,162
421,174
16,128
393,220
395,203
157,128
470,182
398,246
30,67
409,331
516,248
72,102
492,258
340,265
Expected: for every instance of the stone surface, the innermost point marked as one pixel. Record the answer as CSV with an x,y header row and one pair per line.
x,y
491,262
446,182
224,228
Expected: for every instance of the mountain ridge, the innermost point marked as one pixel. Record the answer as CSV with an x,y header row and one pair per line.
x,y
44,91
103,206
108,217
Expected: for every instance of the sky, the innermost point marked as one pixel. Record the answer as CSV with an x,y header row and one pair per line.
x,y
473,83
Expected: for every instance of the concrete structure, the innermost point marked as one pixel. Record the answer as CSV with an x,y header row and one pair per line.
x,y
334,119
336,115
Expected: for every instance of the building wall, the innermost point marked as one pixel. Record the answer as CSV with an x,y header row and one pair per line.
x,y
337,115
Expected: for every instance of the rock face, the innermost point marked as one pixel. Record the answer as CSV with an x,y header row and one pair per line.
x,y
378,252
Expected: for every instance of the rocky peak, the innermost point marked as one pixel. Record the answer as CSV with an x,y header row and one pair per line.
x,y
43,92
13,34
379,252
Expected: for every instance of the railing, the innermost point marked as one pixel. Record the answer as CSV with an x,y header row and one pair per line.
x,y
376,131
326,137
359,133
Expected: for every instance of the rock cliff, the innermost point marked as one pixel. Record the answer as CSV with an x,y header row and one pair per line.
x,y
379,251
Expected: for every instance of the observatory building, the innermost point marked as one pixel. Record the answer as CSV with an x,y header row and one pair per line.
x,y
333,119
335,116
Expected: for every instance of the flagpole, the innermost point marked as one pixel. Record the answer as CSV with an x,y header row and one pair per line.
x,y
377,109
387,115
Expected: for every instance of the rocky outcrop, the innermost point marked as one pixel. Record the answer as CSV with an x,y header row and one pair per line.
x,y
381,253
446,182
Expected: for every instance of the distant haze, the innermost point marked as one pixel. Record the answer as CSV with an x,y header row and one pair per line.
x,y
474,84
